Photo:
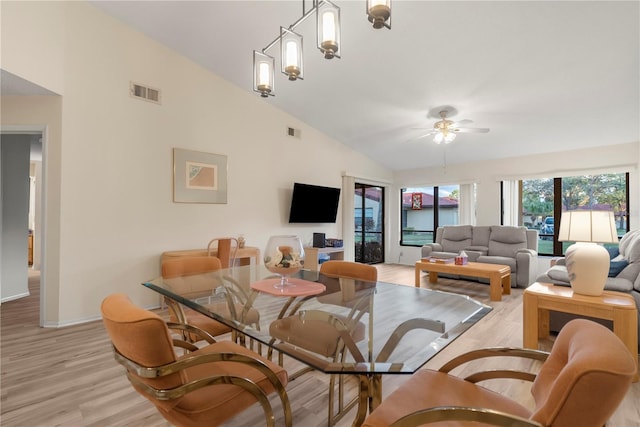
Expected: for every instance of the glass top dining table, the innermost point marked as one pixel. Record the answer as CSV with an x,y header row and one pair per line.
x,y
400,327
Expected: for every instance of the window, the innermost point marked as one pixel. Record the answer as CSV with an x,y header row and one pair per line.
x,y
543,200
423,209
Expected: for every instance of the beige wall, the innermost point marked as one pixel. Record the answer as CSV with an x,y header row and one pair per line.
x,y
116,213
32,40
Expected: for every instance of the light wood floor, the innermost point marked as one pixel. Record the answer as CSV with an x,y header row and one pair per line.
x,y
67,377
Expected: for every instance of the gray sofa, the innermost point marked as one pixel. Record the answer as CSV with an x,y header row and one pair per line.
x,y
516,247
627,280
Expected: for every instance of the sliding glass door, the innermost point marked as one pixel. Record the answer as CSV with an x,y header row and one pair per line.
x,y
369,223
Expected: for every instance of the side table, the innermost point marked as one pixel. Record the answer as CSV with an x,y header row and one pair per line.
x,y
539,298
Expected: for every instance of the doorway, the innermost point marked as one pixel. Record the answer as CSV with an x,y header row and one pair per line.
x,y
22,260
369,223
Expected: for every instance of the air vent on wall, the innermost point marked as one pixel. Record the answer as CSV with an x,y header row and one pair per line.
x,y
293,132
144,92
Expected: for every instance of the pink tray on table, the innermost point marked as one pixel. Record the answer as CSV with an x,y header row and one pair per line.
x,y
301,288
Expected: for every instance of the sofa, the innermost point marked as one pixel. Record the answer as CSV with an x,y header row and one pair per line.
x,y
624,275
516,247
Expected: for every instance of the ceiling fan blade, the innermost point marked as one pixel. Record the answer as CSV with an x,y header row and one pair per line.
x,y
471,130
461,122
420,137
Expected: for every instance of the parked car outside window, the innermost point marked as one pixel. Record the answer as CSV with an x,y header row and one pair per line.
x,y
547,228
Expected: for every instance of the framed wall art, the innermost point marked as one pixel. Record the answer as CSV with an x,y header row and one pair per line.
x,y
199,177
416,201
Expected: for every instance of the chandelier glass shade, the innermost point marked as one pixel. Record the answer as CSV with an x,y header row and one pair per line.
x,y
263,73
328,29
291,54
327,37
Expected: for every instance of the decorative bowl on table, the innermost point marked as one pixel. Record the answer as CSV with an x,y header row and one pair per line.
x,y
284,256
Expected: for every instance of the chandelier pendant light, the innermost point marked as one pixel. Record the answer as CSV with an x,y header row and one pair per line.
x,y
379,13
328,29
291,54
263,73
327,37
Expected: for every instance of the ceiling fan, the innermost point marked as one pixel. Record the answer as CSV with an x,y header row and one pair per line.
x,y
445,130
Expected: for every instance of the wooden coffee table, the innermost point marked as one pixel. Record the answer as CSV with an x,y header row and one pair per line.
x,y
499,275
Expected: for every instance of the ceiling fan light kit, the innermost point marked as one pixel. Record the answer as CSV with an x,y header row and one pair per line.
x,y
327,37
444,136
445,130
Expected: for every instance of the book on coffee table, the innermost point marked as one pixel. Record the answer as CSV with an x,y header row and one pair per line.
x,y
440,260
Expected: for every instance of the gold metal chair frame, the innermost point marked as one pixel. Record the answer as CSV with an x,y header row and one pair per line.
x,y
233,294
344,327
174,367
233,250
481,415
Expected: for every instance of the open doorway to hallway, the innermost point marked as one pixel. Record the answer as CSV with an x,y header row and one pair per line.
x,y
21,228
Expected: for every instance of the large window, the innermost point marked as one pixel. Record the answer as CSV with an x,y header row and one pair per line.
x,y
542,202
424,209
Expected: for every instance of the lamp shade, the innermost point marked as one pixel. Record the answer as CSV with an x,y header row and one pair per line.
x,y
588,226
587,263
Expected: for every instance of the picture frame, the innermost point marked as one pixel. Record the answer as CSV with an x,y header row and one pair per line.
x,y
199,177
416,201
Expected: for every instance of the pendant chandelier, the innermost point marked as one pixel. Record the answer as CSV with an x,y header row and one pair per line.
x,y
327,37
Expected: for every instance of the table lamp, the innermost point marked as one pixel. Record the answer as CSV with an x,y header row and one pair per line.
x,y
587,262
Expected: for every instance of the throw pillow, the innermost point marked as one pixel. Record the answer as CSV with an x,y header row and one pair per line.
x,y
614,251
616,267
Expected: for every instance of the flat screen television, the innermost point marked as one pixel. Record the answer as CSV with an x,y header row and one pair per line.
x,y
313,204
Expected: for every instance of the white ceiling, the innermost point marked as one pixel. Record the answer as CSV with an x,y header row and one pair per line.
x,y
543,76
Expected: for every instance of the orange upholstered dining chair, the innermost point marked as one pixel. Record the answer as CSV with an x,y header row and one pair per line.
x,y
200,276
321,332
581,382
204,386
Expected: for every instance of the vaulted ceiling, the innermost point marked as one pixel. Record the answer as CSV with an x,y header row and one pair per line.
x,y
544,76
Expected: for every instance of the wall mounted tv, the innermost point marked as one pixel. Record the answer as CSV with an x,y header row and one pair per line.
x,y
313,203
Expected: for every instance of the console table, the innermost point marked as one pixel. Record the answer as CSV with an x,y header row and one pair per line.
x,y
311,256
243,255
618,307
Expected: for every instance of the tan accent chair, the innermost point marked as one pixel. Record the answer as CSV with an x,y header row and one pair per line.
x,y
205,386
199,276
227,248
326,334
580,383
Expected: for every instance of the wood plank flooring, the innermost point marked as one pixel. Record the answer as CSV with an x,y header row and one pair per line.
x,y
67,377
